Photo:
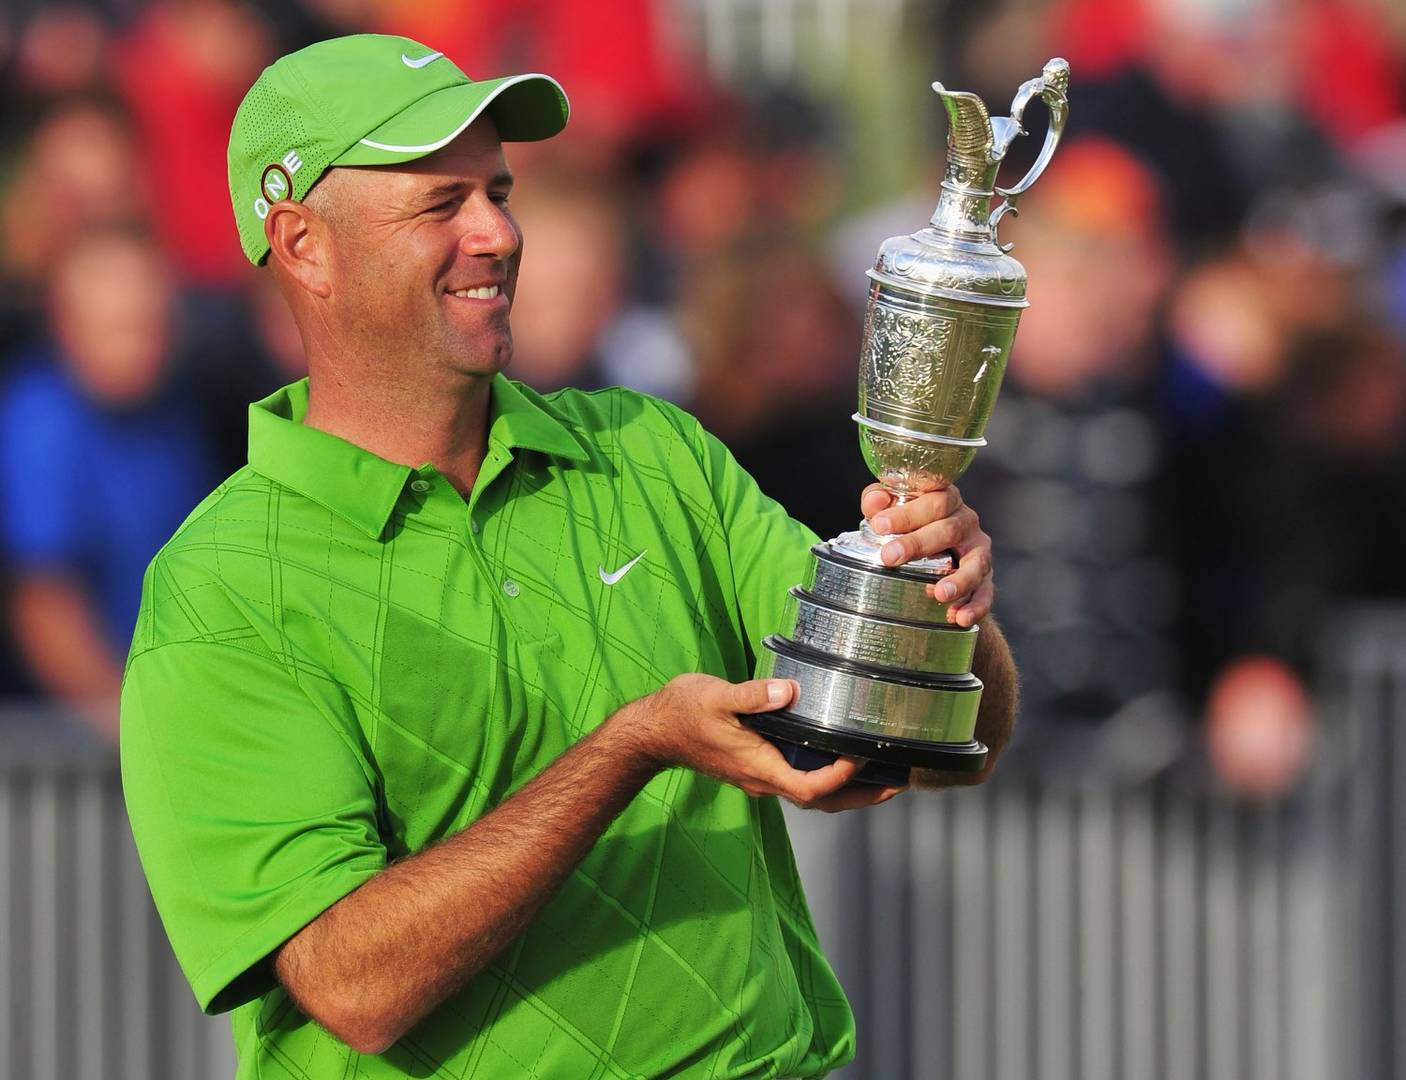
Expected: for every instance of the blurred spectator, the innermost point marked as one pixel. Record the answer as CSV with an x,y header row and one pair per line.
x,y
182,68
767,165
1348,70
571,285
80,169
776,352
1159,99
1230,99
61,51
254,351
791,139
573,322
1230,320
100,460
708,197
771,169
1259,727
1327,445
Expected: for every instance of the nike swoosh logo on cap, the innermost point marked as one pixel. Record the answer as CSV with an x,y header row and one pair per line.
x,y
421,62
611,579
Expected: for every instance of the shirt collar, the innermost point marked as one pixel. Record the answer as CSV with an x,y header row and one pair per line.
x,y
356,484
522,418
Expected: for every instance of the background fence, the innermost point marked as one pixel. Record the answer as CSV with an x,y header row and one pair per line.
x,y
1051,932
1049,928
89,989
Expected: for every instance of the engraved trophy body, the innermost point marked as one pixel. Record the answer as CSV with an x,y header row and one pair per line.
x,y
882,675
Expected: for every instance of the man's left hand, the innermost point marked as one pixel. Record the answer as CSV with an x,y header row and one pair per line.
x,y
928,525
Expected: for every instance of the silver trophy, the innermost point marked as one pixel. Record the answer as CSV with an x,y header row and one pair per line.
x,y
882,674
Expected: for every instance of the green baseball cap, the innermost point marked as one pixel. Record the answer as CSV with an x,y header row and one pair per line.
x,y
366,99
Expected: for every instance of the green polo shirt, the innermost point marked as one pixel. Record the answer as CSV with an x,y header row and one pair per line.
x,y
339,661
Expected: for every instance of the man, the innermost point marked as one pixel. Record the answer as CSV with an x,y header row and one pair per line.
x,y
430,728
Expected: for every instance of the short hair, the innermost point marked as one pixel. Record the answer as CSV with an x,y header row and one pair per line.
x,y
322,198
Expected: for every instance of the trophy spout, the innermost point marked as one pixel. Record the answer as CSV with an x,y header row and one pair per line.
x,y
969,140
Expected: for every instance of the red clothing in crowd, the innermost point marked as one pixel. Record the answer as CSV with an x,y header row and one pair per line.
x,y
182,78
625,72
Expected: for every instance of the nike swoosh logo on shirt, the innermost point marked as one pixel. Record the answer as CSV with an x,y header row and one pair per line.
x,y
611,579
421,62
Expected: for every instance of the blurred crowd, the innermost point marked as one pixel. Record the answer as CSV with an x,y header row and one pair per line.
x,y
1196,463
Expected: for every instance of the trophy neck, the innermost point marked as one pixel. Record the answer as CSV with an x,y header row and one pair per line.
x,y
964,207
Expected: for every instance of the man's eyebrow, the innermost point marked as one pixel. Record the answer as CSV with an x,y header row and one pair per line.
x,y
459,187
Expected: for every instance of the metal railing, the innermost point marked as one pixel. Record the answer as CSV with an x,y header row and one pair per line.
x,y
1365,696
89,988
1031,931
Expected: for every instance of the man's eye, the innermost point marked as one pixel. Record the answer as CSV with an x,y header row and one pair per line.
x,y
448,206
500,198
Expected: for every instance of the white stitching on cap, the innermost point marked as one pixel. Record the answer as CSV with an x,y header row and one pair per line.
x,y
471,118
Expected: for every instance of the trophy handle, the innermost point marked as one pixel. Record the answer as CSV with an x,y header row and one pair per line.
x,y
1053,88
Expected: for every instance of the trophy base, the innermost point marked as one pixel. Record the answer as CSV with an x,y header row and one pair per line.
x,y
807,745
881,674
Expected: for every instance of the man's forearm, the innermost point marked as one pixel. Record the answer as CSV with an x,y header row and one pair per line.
x,y
380,959
59,634
995,667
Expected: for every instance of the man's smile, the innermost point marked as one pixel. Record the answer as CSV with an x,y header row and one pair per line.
x,y
492,295
485,292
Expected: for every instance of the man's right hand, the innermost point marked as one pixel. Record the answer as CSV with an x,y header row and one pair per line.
x,y
693,721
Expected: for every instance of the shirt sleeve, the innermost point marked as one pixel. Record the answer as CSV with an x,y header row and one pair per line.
x,y
253,810
768,548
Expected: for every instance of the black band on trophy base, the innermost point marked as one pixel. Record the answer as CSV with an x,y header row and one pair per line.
x,y
785,726
965,682
874,773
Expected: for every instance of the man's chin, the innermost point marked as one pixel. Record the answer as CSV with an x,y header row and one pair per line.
x,y
476,360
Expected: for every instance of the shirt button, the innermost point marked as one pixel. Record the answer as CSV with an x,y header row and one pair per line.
x,y
420,485
473,525
511,587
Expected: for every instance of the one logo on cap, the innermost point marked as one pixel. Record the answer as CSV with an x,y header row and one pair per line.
x,y
419,62
276,182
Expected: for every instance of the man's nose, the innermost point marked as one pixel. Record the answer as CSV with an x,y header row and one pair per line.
x,y
490,230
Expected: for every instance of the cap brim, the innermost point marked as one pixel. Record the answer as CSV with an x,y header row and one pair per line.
x,y
525,108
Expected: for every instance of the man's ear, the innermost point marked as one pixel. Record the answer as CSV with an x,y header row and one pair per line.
x,y
298,241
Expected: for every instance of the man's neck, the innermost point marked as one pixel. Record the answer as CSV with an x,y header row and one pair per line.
x,y
408,425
